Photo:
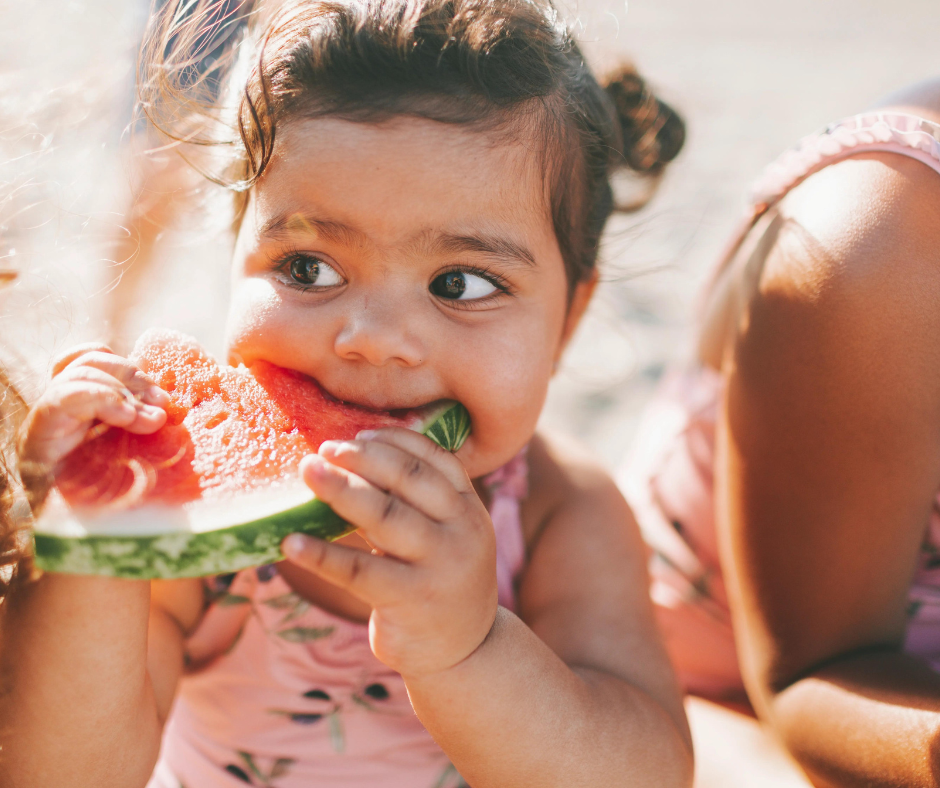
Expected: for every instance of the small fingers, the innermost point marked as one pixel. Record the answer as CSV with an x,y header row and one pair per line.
x,y
123,370
62,417
74,406
391,468
87,399
374,579
388,523
424,449
103,403
90,384
81,389
62,361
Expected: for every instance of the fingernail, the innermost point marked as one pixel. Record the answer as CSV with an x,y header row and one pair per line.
x,y
329,448
312,463
366,435
150,410
155,396
294,545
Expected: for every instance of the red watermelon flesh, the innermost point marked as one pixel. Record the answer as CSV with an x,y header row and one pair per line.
x,y
228,430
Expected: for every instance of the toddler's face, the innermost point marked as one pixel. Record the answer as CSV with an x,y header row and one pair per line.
x,y
402,263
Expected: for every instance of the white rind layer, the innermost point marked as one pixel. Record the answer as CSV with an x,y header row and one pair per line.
x,y
202,537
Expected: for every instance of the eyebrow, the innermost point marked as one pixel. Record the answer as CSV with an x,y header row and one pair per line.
x,y
494,246
288,224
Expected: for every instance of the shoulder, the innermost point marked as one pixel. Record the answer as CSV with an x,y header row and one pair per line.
x,y
579,529
860,235
870,220
833,371
563,478
853,275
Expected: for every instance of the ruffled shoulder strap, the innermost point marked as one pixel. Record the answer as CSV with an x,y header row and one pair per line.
x,y
888,132
508,486
884,132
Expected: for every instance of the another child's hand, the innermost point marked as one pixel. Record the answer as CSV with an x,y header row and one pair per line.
x,y
431,579
89,384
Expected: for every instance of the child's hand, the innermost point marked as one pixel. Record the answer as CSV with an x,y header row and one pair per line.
x,y
431,579
90,383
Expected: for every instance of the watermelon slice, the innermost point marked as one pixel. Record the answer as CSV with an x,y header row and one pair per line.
x,y
216,488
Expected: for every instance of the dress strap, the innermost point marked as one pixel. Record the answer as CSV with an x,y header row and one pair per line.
x,y
888,132
870,132
508,486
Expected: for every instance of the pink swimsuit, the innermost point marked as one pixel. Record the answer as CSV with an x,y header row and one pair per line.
x,y
668,480
282,694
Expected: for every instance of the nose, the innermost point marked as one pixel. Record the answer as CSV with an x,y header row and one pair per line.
x,y
380,334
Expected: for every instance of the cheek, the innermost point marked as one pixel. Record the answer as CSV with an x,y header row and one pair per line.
x,y
504,385
258,321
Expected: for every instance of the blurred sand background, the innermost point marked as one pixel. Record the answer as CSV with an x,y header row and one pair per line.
x,y
750,76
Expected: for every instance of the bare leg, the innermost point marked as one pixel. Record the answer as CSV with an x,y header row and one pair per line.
x,y
733,750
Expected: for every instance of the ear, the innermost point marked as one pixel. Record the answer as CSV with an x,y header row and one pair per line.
x,y
583,291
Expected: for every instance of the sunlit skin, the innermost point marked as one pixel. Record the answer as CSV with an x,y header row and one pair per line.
x,y
828,466
380,240
397,264
381,338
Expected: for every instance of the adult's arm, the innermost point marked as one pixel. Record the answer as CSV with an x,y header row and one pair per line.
x,y
828,462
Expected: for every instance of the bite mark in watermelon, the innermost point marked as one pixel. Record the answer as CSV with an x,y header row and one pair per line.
x,y
215,489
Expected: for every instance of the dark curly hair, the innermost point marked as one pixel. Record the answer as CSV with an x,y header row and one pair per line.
x,y
14,563
505,66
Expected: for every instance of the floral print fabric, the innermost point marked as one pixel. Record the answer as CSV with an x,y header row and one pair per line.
x,y
282,694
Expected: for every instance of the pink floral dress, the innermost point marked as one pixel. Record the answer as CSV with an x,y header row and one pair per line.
x,y
282,694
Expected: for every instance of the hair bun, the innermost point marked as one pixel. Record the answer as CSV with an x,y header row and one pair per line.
x,y
653,132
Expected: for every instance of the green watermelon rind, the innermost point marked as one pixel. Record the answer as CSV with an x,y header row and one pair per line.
x,y
451,428
185,554
181,553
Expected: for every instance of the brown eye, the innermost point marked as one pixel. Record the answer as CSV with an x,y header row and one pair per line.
x,y
462,286
310,271
449,285
305,270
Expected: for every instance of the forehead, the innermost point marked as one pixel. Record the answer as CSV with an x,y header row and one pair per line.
x,y
406,176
